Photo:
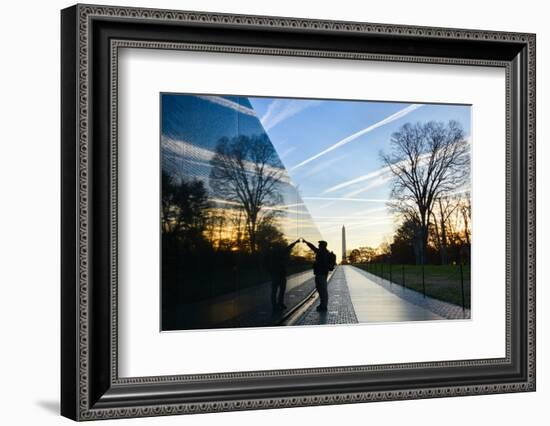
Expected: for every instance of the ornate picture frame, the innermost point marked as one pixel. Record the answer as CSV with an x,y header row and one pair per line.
x,y
91,37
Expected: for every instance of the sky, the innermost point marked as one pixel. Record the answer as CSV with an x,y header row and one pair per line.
x,y
330,150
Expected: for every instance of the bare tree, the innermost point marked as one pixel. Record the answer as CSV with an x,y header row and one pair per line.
x,y
247,170
446,206
427,161
466,211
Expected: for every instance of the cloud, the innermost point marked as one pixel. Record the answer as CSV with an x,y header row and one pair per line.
x,y
370,210
462,190
282,109
346,219
360,200
383,224
377,182
395,116
369,176
286,206
286,152
322,166
185,149
175,150
228,104
378,177
280,208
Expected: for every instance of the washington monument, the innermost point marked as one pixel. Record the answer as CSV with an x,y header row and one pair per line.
x,y
344,259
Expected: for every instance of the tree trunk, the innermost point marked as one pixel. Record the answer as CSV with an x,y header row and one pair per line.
x,y
424,216
252,232
424,246
437,235
466,224
443,247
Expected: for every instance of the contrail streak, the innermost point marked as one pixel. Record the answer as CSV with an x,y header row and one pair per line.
x,y
228,104
396,116
360,200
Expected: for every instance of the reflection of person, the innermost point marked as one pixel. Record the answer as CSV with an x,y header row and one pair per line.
x,y
321,267
278,261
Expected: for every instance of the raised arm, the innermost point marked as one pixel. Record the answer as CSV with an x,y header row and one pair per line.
x,y
311,246
291,245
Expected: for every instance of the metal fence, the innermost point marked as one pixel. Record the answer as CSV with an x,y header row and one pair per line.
x,y
450,283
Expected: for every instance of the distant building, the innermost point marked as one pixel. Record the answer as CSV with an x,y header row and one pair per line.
x,y
344,257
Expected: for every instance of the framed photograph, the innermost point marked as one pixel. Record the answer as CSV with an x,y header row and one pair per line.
x,y
263,212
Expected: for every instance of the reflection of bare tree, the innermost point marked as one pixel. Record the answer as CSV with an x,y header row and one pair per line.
x,y
215,225
237,223
268,235
247,170
183,207
427,161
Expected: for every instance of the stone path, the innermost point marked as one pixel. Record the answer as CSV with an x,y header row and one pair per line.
x,y
374,303
355,296
358,296
340,307
443,309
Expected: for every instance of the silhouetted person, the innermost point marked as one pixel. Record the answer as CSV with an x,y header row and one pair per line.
x,y
324,262
277,266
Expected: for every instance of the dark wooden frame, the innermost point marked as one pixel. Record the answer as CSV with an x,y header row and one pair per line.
x,y
90,386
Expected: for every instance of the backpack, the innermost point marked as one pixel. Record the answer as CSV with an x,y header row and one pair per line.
x,y
331,261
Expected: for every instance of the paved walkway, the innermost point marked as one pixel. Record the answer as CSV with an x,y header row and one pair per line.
x,y
443,309
355,296
340,307
358,296
374,303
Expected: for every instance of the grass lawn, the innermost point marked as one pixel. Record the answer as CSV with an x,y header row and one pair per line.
x,y
441,282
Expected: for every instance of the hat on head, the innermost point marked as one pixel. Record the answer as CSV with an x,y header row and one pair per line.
x,y
323,243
